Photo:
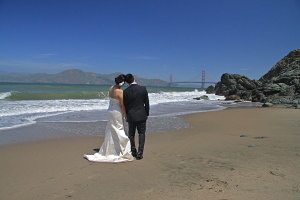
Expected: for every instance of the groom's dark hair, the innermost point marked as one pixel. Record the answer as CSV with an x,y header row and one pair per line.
x,y
129,78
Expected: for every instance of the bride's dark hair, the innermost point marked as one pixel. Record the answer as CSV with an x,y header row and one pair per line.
x,y
120,79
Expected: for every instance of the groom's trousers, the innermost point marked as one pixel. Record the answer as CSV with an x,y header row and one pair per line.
x,y
141,128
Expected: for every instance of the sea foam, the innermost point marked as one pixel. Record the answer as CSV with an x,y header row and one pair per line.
x,y
4,95
17,113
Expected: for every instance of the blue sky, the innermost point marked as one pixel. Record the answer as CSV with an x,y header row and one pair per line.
x,y
151,39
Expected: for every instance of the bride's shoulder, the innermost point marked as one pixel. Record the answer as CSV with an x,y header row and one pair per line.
x,y
119,94
118,90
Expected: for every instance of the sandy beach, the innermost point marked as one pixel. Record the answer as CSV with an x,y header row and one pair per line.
x,y
234,154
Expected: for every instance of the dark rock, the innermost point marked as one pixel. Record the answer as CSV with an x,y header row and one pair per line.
x,y
280,85
233,97
246,95
203,97
238,101
235,86
287,67
210,90
296,106
267,105
258,96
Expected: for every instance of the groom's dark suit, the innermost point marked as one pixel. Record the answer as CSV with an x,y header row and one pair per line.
x,y
136,104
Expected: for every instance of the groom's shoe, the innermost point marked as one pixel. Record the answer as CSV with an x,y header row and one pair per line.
x,y
139,156
134,154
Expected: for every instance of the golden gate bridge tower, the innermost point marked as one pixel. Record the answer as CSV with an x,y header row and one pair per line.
x,y
203,79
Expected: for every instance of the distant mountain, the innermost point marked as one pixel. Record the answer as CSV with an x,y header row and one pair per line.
x,y
73,76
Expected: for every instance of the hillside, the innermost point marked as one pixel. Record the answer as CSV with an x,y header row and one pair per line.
x,y
73,76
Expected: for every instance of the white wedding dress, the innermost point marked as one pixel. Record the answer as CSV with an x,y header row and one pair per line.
x,y
116,145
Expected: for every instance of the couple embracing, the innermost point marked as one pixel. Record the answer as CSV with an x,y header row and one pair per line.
x,y
133,105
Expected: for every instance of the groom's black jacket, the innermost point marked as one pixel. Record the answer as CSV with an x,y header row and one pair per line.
x,y
136,103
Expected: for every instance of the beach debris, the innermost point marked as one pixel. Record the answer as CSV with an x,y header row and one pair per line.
x,y
251,145
243,135
260,137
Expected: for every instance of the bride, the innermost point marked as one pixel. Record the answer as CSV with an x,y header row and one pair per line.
x,y
116,145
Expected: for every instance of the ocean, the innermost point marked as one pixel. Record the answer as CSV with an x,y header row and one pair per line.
x,y
62,105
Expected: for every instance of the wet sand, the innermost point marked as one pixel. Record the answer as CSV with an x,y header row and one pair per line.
x,y
249,153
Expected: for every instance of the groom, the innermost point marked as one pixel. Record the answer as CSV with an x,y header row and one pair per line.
x,y
136,104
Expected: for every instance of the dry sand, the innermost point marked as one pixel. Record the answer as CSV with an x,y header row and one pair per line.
x,y
226,155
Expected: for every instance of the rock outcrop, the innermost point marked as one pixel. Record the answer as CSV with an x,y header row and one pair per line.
x,y
210,90
235,86
280,85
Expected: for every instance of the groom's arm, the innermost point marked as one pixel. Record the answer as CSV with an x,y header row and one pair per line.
x,y
147,107
125,102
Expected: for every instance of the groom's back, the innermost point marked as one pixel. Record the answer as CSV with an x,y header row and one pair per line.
x,y
136,103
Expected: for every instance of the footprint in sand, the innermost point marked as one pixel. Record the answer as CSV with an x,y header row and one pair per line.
x,y
216,185
275,173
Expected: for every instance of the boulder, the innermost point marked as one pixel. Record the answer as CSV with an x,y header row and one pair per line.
x,y
235,84
210,90
296,106
280,85
203,97
258,96
233,97
287,67
268,104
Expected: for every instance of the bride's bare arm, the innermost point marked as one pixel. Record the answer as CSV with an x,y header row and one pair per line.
x,y
110,92
119,95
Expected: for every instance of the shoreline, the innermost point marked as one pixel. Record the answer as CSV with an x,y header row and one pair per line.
x,y
229,154
40,130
